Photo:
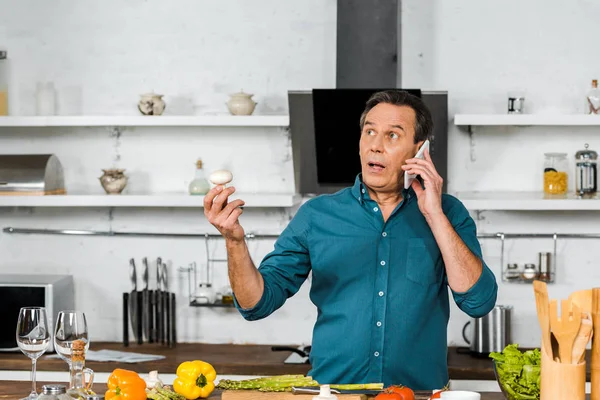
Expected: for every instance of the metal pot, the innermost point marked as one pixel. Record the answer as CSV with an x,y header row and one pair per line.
x,y
490,333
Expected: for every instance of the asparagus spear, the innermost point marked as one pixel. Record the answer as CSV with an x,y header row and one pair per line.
x,y
282,383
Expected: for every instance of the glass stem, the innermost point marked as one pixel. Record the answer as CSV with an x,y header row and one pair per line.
x,y
33,388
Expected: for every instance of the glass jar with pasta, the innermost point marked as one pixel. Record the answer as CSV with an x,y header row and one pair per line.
x,y
555,173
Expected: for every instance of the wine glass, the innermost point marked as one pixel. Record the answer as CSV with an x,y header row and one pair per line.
x,y
71,327
33,338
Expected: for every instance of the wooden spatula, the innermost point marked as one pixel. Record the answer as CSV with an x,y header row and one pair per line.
x,y
565,329
583,299
541,302
583,337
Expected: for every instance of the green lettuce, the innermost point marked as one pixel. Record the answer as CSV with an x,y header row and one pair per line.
x,y
519,372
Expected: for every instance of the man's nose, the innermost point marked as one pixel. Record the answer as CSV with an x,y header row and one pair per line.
x,y
377,144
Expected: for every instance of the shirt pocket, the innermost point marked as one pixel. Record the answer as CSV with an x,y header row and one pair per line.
x,y
424,262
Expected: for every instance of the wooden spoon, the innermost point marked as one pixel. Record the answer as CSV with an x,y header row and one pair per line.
x,y
583,337
564,328
541,303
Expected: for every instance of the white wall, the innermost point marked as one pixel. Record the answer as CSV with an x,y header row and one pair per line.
x,y
198,52
478,51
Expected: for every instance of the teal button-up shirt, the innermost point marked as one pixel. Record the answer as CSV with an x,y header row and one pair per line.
x,y
380,288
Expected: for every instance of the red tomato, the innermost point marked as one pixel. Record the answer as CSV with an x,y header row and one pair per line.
x,y
405,393
437,394
388,396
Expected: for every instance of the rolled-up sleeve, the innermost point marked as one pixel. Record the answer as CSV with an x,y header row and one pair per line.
x,y
284,269
480,299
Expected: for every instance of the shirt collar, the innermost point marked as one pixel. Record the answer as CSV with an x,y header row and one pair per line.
x,y
359,191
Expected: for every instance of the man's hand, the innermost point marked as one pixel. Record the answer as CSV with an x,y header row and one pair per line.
x,y
430,198
223,215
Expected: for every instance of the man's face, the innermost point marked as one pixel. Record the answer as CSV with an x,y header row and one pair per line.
x,y
386,142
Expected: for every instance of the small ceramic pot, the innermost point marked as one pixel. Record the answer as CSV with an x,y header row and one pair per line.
x,y
113,181
151,104
241,104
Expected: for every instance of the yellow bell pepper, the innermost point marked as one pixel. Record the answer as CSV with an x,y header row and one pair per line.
x,y
195,379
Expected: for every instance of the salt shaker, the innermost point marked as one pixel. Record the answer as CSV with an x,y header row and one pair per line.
x,y
54,392
530,272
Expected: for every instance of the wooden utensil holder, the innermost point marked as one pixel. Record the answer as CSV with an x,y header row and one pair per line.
x,y
561,381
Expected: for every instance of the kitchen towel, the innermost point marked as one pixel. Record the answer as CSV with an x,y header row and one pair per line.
x,y
118,356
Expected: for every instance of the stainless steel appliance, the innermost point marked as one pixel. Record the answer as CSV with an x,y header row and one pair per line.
x,y
489,333
31,174
586,178
54,292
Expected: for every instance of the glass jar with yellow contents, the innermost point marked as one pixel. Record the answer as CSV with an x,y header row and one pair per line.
x,y
555,173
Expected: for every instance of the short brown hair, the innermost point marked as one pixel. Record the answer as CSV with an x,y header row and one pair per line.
x,y
423,120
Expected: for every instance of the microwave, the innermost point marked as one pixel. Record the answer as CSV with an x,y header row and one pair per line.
x,y
53,292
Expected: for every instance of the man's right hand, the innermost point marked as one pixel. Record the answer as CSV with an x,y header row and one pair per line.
x,y
224,215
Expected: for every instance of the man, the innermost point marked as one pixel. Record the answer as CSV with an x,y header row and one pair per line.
x,y
382,258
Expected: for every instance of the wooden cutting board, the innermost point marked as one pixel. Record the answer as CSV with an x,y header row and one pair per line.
x,y
256,395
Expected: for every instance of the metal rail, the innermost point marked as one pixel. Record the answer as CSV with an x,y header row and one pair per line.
x,y
499,235
75,232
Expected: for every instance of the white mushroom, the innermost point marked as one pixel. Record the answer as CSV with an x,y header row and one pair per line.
x,y
221,177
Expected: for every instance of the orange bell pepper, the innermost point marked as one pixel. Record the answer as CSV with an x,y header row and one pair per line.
x,y
125,385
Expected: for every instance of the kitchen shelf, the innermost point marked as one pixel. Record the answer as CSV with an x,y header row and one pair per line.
x,y
524,201
526,120
223,120
217,304
157,200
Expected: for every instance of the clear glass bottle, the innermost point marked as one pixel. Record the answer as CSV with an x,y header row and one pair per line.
x,y
200,185
592,99
3,83
555,173
78,387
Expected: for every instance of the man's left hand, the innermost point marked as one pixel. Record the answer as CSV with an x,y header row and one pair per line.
x,y
430,198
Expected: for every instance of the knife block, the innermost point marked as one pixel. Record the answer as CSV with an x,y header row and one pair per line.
x,y
561,381
154,317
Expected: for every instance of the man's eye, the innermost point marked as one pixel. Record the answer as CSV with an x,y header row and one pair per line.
x,y
394,135
370,132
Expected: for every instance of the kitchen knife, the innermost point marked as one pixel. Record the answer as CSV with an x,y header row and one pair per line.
x,y
126,319
316,390
133,297
159,301
173,327
166,314
145,302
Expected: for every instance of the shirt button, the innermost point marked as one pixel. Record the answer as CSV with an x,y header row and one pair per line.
x,y
380,294
384,234
378,323
382,263
376,354
375,209
363,190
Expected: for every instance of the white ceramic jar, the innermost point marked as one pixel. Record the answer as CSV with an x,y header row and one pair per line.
x,y
241,104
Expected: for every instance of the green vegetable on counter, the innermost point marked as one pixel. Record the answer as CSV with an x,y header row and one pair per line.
x,y
284,383
519,372
160,392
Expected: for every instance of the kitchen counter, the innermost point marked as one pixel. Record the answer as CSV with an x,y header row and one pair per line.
x,y
13,390
229,359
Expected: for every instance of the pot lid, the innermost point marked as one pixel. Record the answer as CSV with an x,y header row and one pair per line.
x,y
241,94
586,154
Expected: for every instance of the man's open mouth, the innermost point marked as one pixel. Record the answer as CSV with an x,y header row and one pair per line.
x,y
376,165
